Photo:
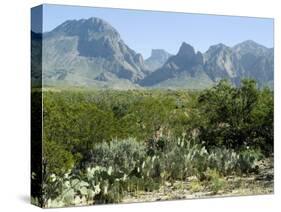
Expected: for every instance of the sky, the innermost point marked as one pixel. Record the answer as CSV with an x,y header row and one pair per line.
x,y
145,30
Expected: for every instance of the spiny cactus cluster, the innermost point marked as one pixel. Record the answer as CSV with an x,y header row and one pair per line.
x,y
125,166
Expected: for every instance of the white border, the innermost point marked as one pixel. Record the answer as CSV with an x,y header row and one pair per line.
x,y
15,104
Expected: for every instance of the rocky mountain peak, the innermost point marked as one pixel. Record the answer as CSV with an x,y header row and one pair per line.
x,y
249,43
218,48
159,54
98,45
86,27
186,51
250,47
157,58
186,56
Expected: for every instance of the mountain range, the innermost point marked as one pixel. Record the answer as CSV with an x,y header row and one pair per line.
x,y
90,52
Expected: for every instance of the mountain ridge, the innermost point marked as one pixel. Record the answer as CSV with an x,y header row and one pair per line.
x,y
91,52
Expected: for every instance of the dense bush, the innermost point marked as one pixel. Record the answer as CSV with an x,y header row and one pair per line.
x,y
114,142
237,117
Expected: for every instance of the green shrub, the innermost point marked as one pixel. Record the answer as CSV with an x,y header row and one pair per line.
x,y
196,186
247,161
56,159
214,181
235,117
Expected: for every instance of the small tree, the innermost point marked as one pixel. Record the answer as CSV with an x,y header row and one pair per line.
x,y
228,113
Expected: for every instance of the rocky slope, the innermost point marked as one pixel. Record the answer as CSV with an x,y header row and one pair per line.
x,y
88,50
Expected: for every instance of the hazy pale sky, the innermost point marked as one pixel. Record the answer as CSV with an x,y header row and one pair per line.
x,y
146,30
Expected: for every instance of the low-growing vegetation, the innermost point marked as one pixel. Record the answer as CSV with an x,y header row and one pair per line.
x,y
103,146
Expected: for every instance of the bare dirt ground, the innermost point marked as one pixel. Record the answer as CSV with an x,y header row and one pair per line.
x,y
261,182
